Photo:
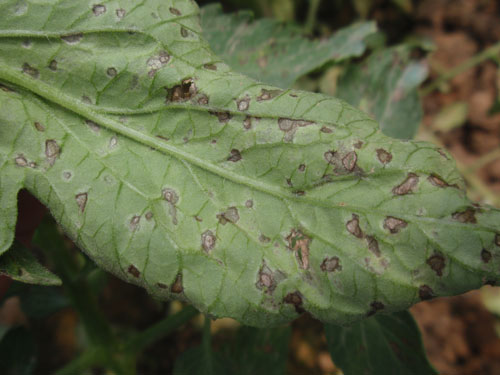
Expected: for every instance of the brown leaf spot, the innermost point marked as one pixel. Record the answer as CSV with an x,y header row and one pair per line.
x,y
358,145
86,99
134,222
264,239
353,226
265,279
203,99
98,9
180,93
373,245
157,62
175,11
39,126
149,216
289,127
375,307
162,286
51,151
467,216
497,239
31,71
331,264
302,168
170,195
349,161
295,299
393,224
485,256
208,241
249,203
111,72
235,156
120,13
230,215
133,271
407,186
93,126
247,123
384,156
21,161
210,66
53,65
425,292
437,263
299,242
243,104
223,117
330,157
72,38
177,285
184,32
268,94
326,130
81,201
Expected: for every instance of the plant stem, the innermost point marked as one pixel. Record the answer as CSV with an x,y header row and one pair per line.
x,y
89,358
207,347
311,16
489,53
484,159
159,330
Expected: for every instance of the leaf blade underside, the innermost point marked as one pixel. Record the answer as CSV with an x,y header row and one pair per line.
x,y
201,184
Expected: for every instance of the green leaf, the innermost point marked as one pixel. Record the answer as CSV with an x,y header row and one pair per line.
x,y
275,52
386,87
262,351
381,345
20,264
200,184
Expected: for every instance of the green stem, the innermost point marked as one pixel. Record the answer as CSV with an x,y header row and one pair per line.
x,y
87,359
311,16
485,159
159,330
207,347
489,53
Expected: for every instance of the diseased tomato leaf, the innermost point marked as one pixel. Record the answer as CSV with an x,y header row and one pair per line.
x,y
197,183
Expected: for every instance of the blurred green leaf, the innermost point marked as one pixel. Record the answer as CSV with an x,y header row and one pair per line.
x,y
382,345
451,117
385,86
273,52
38,301
20,264
17,352
262,351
